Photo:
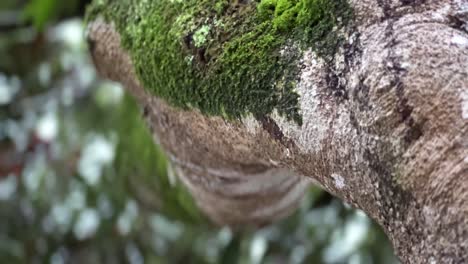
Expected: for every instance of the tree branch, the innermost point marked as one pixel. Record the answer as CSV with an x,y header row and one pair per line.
x,y
384,128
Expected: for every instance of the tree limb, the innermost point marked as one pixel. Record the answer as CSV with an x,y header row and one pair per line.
x,y
384,128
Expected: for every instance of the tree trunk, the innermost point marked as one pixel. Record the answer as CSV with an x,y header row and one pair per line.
x,y
384,127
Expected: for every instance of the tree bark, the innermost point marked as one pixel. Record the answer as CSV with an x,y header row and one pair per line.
x,y
384,128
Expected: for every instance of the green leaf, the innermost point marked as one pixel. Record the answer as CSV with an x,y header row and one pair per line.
x,y
40,12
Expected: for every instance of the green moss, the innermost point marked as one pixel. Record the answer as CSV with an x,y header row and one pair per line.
x,y
223,57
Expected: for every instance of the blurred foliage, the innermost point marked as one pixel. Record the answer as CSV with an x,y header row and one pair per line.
x,y
82,182
39,12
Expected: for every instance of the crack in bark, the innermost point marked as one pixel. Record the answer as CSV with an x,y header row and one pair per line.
x,y
270,126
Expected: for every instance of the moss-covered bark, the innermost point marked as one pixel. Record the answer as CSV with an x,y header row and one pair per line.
x,y
384,122
224,57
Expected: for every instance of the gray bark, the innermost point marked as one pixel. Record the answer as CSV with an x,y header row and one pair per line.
x,y
385,129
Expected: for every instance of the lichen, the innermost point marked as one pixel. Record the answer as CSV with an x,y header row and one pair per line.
x,y
223,57
200,36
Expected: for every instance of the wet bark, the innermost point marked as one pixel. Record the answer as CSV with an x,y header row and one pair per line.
x,y
385,128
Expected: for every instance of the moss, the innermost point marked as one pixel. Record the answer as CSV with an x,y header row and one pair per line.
x,y
223,57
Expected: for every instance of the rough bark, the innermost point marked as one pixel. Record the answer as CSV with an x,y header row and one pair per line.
x,y
385,128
